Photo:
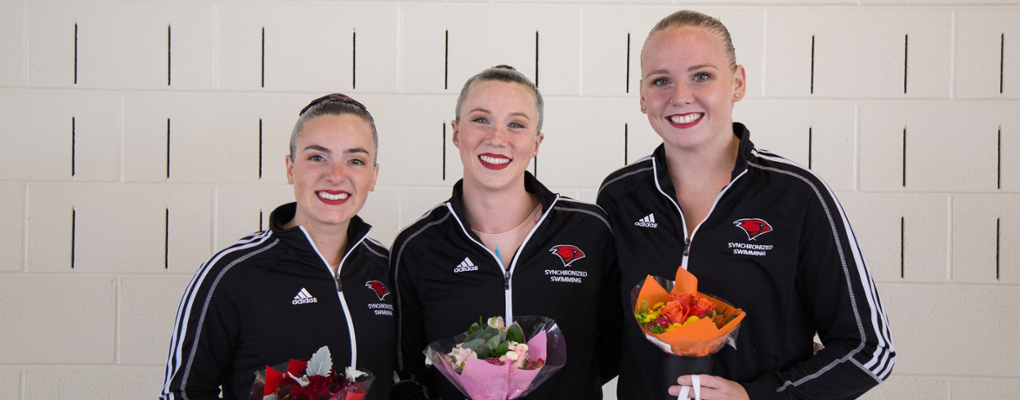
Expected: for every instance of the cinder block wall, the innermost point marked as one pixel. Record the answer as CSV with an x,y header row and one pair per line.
x,y
138,137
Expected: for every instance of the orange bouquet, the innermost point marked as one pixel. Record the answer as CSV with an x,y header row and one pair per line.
x,y
682,321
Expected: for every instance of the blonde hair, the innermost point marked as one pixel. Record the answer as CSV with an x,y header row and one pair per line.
x,y
694,19
503,73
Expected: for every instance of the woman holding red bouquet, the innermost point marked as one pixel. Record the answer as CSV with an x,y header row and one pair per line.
x,y
313,278
504,245
756,229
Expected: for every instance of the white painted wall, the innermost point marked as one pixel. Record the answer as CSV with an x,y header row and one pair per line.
x,y
121,170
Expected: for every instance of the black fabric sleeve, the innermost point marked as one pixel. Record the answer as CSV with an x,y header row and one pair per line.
x,y
610,325
414,375
836,288
203,344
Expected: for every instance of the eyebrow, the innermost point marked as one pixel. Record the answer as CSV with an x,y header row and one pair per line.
x,y
691,68
700,66
355,150
516,114
317,148
479,109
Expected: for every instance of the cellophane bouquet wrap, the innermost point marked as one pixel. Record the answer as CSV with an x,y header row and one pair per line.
x,y
492,361
310,380
679,320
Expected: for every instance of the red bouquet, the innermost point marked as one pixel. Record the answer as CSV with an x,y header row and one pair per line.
x,y
311,380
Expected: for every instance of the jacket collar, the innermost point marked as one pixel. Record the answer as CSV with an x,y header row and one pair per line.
x,y
294,237
531,185
743,155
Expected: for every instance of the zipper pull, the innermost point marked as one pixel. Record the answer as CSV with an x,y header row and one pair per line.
x,y
506,281
687,247
339,285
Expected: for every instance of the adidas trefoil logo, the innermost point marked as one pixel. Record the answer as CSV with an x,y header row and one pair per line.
x,y
465,266
647,222
303,297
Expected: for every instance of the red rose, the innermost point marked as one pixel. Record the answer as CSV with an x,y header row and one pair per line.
x,y
299,393
286,385
317,385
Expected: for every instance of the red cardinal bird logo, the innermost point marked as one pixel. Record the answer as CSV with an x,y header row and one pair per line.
x,y
753,227
379,288
567,253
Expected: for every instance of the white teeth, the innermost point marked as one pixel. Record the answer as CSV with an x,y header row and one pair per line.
x,y
686,119
334,197
494,160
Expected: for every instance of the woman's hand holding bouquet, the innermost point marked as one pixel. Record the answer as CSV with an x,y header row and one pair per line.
x,y
680,321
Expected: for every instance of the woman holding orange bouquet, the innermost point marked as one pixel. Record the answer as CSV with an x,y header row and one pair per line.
x,y
505,245
757,230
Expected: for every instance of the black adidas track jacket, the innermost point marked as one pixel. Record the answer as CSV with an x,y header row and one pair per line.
x,y
566,270
270,297
777,244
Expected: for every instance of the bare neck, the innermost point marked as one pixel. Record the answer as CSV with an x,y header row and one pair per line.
x,y
497,211
329,240
698,176
696,168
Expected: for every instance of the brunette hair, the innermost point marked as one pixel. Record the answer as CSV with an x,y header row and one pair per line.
x,y
336,105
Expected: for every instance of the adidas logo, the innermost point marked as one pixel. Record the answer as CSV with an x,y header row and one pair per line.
x,y
303,297
465,266
647,222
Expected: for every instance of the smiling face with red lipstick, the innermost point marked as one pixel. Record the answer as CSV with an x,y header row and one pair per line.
x,y
332,171
688,88
497,134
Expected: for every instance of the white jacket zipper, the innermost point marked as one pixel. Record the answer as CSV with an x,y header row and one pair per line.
x,y
340,291
683,220
508,273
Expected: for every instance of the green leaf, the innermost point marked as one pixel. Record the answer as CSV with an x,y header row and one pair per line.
x,y
502,349
493,343
476,326
475,344
483,352
515,334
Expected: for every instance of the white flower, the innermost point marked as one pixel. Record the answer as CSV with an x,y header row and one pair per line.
x,y
497,322
518,353
460,355
301,380
353,374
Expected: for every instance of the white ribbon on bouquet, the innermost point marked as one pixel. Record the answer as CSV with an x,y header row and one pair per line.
x,y
696,382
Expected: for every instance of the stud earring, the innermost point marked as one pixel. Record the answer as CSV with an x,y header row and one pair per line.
x,y
643,108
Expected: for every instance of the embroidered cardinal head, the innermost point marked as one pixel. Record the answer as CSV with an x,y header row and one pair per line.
x,y
753,227
567,253
379,288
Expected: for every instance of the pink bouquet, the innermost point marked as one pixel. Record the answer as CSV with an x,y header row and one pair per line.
x,y
493,362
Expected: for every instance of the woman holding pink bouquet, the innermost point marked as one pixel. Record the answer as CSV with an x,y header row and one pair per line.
x,y
755,229
313,279
504,245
